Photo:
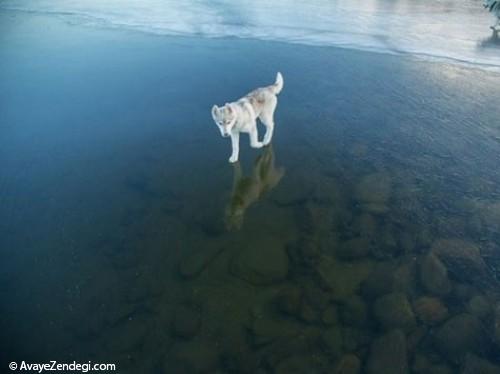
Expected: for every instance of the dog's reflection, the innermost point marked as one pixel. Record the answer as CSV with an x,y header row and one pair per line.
x,y
249,189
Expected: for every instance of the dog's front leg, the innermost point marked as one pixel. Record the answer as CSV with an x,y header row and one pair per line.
x,y
254,139
235,143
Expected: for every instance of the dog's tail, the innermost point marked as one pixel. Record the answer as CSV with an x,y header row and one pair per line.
x,y
278,85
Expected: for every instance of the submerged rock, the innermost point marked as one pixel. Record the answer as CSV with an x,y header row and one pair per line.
x,y
463,292
288,300
267,328
476,365
380,281
186,321
298,345
317,297
295,189
375,208
407,241
387,245
262,265
196,356
394,311
307,313
355,339
479,306
365,226
439,369
118,313
405,276
459,335
343,278
430,310
193,264
434,276
415,337
422,365
496,323
326,190
463,260
348,364
127,336
353,248
354,311
330,316
332,341
295,365
388,354
373,192
235,358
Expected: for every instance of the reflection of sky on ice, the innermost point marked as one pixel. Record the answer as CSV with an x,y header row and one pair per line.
x,y
451,29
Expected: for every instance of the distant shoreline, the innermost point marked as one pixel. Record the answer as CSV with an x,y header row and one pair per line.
x,y
94,23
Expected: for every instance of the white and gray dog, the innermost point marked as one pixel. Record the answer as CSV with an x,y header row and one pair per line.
x,y
494,7
241,116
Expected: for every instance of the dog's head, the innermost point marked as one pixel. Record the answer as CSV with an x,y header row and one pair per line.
x,y
225,118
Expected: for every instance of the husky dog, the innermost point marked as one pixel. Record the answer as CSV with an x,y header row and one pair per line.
x,y
241,116
248,190
494,7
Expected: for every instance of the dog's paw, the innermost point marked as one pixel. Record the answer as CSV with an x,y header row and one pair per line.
x,y
233,159
258,145
266,143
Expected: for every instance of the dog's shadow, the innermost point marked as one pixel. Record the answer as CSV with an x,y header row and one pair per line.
x,y
493,41
247,190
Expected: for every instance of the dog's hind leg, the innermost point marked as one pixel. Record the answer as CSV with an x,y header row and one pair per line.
x,y
267,118
268,136
254,138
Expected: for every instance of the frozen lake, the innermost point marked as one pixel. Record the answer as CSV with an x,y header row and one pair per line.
x,y
366,237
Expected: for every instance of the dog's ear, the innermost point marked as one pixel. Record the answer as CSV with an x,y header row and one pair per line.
x,y
215,111
229,109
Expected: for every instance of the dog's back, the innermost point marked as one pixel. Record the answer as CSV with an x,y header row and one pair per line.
x,y
259,97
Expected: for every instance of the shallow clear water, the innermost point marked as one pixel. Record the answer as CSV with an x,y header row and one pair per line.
x,y
456,30
365,238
